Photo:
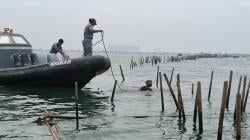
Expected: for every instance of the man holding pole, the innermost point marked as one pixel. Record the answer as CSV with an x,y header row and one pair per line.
x,y
88,37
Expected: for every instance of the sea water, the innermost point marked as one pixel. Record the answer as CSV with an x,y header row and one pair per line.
x,y
134,115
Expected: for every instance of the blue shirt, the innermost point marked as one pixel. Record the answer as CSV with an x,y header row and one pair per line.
x,y
56,48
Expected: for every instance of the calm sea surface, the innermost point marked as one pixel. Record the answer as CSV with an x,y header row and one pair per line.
x,y
135,115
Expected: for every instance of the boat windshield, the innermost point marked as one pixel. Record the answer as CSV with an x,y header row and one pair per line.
x,y
12,40
19,40
5,40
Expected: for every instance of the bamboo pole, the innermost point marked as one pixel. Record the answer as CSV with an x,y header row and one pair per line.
x,y
157,76
229,88
222,110
123,78
238,116
162,98
171,77
210,85
113,92
245,103
192,88
76,100
180,101
199,107
238,92
171,90
196,104
243,93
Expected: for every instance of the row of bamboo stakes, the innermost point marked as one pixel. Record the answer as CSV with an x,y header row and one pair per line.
x,y
154,60
240,105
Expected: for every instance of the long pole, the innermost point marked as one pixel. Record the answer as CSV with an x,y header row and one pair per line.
x,y
171,90
199,103
245,103
229,88
77,98
180,101
157,76
243,93
113,92
222,110
162,98
210,85
238,116
123,78
171,77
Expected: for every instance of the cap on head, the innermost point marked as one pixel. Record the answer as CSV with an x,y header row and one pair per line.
x,y
60,41
92,21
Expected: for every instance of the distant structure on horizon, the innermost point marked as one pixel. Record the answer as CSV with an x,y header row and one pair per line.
x,y
123,48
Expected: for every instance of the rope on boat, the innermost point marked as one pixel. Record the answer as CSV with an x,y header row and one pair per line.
x,y
111,68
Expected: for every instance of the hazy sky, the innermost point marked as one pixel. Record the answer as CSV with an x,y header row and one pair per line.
x,y
154,25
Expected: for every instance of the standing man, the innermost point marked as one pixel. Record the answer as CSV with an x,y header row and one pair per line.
x,y
88,36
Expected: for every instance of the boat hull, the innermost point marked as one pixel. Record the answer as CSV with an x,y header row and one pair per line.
x,y
61,74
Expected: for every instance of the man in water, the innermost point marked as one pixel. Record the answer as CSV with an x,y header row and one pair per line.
x,y
56,48
147,86
88,36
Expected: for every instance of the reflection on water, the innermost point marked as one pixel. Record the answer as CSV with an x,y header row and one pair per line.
x,y
134,114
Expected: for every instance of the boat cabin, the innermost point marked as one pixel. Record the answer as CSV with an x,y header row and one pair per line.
x,y
15,50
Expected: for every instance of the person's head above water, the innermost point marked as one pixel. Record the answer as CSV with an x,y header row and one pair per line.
x,y
148,83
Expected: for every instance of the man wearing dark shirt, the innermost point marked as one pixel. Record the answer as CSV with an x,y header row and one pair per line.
x,y
147,86
57,48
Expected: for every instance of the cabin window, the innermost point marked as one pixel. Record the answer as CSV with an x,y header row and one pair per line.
x,y
5,40
19,40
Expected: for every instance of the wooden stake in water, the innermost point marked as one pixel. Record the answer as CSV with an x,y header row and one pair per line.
x,y
180,101
171,77
192,88
113,92
196,104
77,99
171,90
245,103
229,88
238,116
222,110
123,78
199,106
157,76
162,98
238,92
243,93
210,85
